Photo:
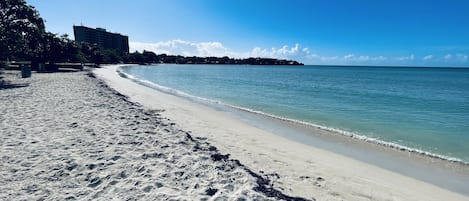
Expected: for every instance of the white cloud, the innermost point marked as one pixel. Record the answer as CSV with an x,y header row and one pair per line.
x,y
285,52
458,57
305,55
349,56
296,52
406,58
362,58
428,57
185,48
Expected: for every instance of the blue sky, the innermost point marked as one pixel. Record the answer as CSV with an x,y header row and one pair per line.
x,y
358,32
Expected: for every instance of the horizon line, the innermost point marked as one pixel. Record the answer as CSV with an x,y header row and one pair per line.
x,y
383,66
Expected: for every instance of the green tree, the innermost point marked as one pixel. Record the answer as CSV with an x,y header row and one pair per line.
x,y
53,48
21,30
59,49
97,56
71,49
90,53
149,57
111,56
135,57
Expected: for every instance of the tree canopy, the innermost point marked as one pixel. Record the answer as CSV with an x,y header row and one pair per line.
x,y
21,28
23,37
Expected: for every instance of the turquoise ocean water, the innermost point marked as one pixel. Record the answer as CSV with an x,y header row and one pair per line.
x,y
423,109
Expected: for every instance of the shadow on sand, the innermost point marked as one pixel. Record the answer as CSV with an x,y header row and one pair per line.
x,y
4,84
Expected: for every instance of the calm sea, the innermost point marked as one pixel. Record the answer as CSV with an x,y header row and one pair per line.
x,y
423,109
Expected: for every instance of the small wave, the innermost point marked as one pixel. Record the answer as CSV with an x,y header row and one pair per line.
x,y
295,121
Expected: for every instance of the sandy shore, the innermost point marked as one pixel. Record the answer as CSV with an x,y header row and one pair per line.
x,y
67,136
299,170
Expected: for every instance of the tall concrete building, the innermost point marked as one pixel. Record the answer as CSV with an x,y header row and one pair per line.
x,y
102,38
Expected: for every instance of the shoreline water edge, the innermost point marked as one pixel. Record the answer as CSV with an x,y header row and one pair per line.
x,y
295,186
289,120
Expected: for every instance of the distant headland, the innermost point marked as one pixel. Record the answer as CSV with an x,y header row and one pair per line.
x,y
148,57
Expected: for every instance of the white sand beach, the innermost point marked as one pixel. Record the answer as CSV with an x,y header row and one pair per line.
x,y
69,136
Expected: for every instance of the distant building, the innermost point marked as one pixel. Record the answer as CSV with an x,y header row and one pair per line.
x,y
102,38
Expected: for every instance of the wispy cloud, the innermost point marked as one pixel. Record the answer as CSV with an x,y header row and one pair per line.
x,y
186,48
361,58
295,52
461,57
285,52
180,47
448,56
458,57
428,57
406,58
